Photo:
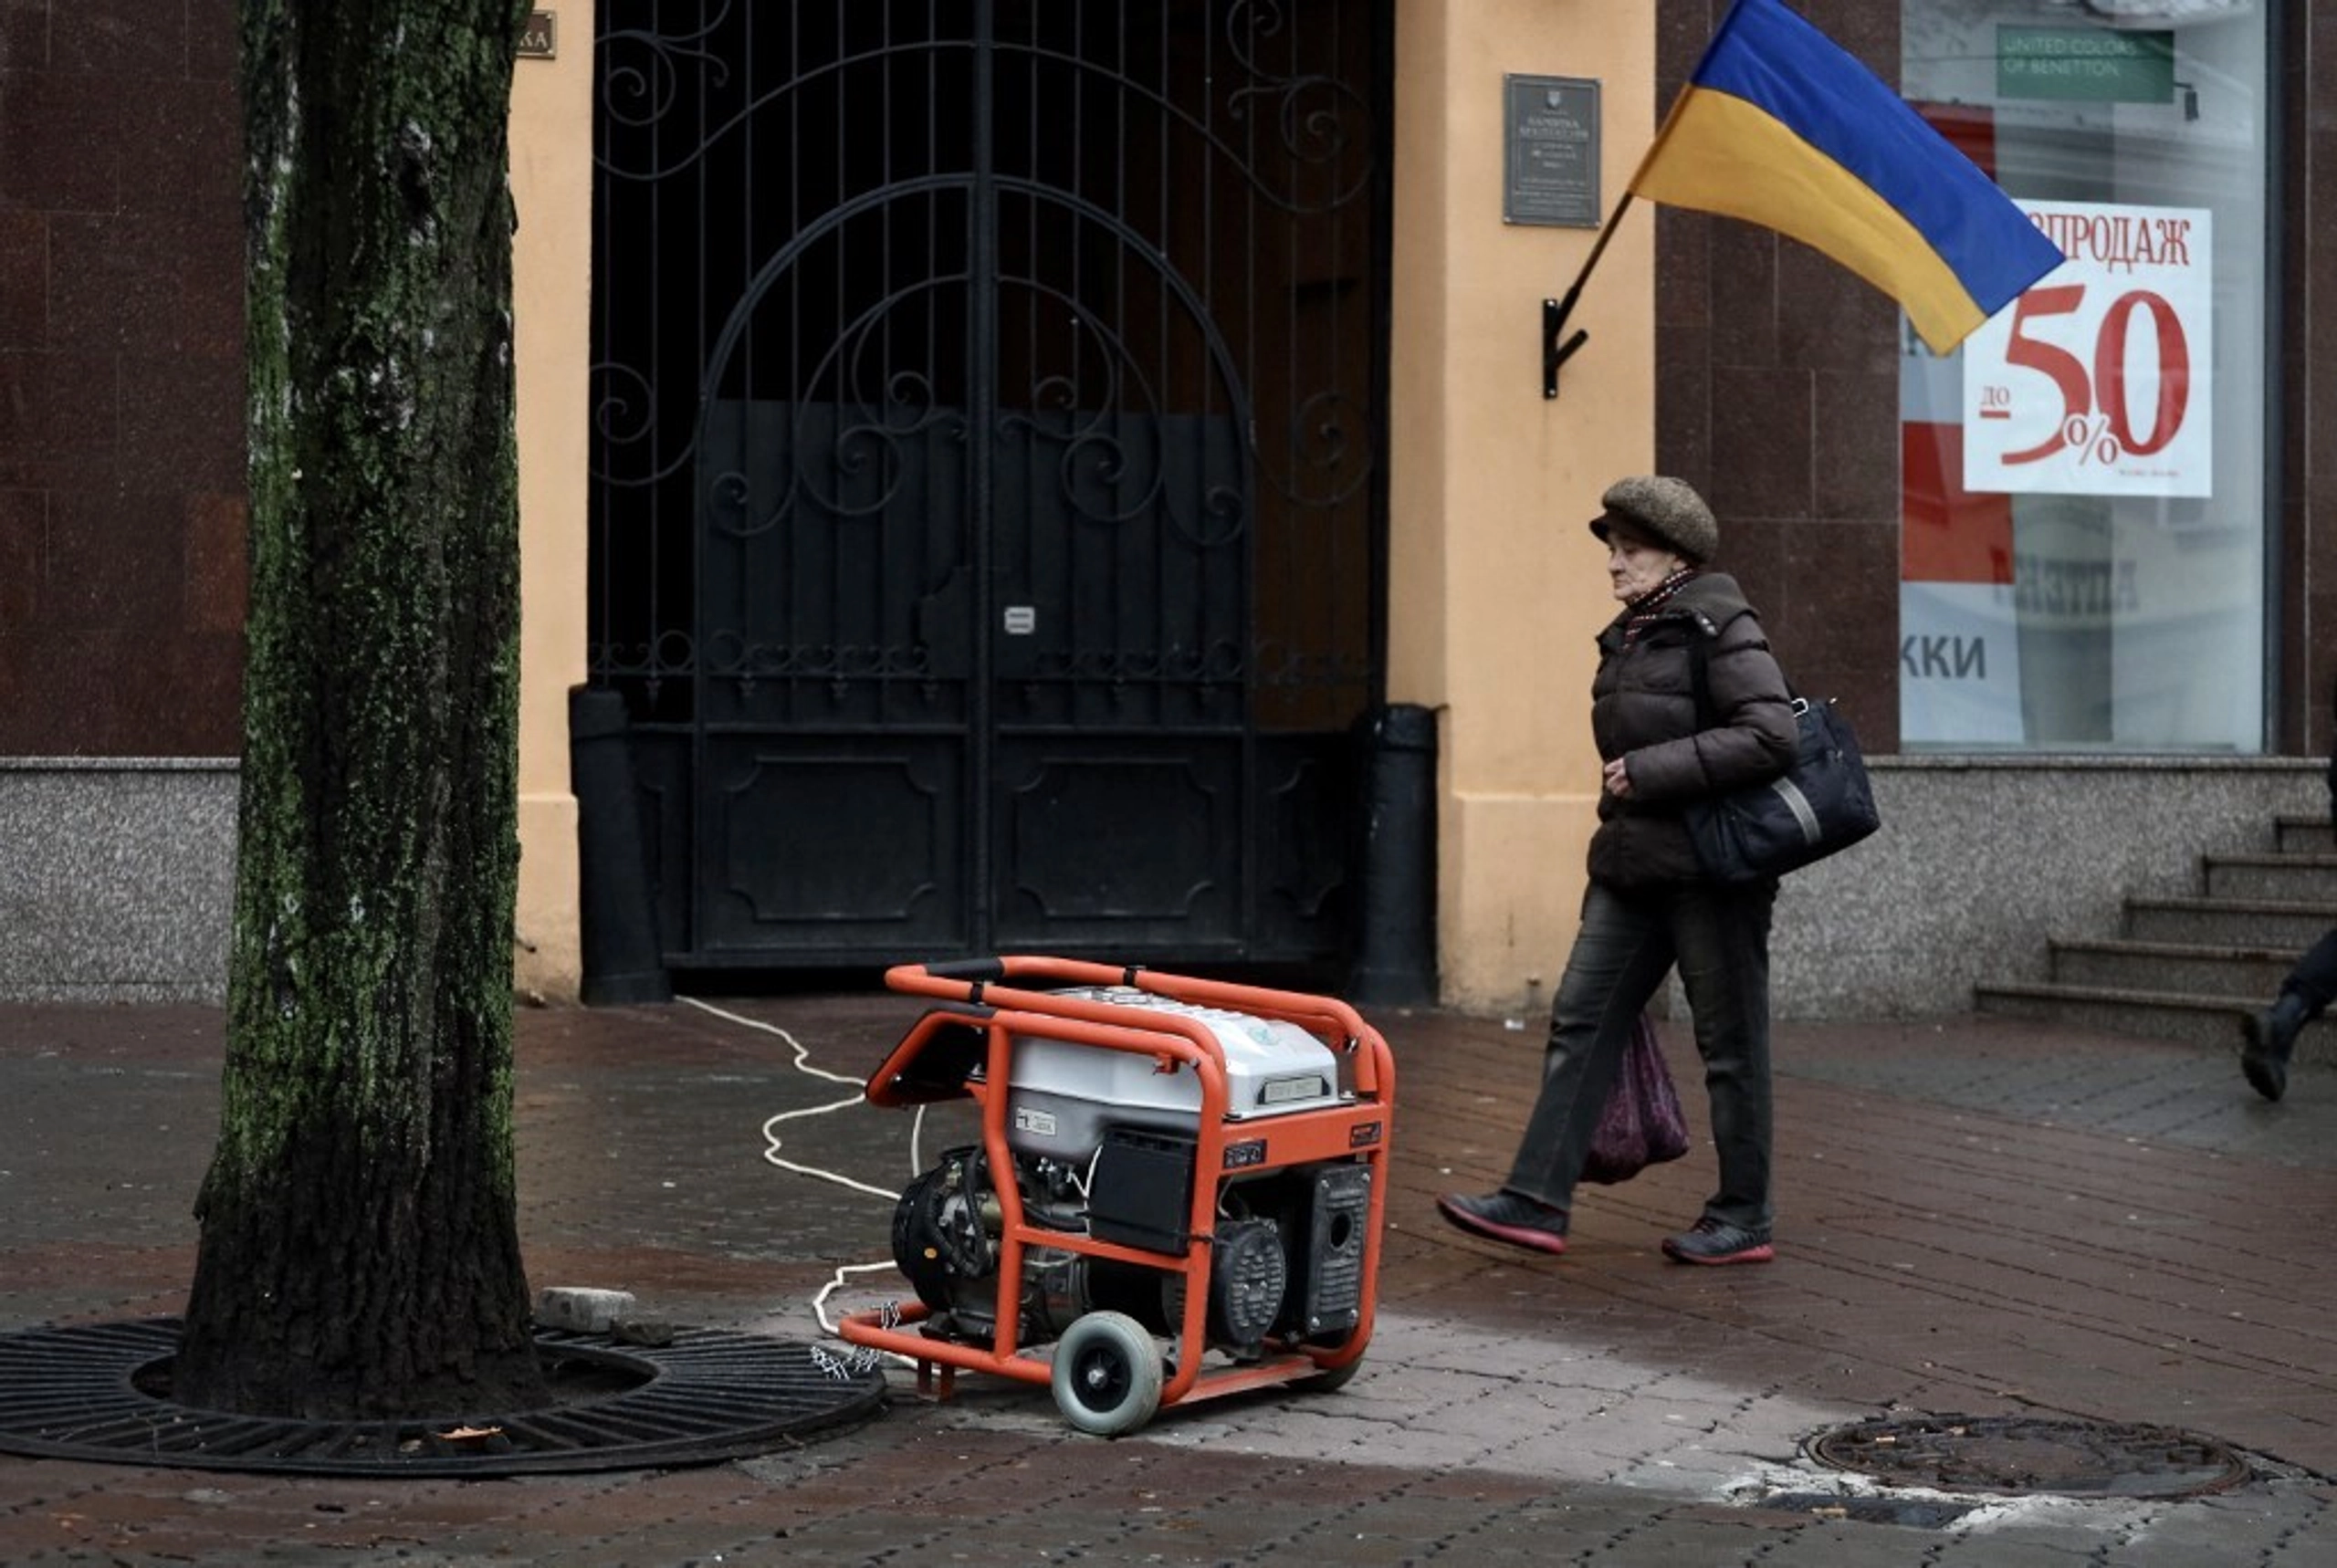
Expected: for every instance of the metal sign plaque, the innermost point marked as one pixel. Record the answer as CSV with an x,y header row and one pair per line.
x,y
1550,151
539,39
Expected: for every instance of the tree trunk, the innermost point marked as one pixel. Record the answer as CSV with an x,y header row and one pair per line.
x,y
360,1241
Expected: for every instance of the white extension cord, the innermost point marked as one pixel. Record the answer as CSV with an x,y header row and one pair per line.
x,y
772,1142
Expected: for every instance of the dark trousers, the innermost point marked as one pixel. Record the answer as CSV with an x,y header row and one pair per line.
x,y
1719,936
2314,980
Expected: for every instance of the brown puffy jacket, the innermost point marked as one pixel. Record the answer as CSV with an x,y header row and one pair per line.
x,y
1643,709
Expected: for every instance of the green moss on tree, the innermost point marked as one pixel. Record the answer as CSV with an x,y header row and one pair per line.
x,y
360,1253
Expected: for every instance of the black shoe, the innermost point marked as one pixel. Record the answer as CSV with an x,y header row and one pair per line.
x,y
2271,1039
1508,1216
1710,1240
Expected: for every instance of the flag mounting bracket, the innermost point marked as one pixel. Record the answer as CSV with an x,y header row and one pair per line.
x,y
1556,347
1554,352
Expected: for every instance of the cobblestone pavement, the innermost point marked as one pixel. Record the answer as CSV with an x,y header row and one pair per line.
x,y
1977,1217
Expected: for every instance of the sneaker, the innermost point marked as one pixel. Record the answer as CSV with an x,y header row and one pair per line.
x,y
1508,1216
1713,1241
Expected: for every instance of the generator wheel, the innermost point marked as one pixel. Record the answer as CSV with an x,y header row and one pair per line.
x,y
1107,1374
1330,1381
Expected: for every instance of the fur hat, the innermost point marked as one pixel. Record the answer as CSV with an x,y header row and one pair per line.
x,y
1667,511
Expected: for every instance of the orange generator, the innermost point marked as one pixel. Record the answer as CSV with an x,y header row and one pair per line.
x,y
1177,1193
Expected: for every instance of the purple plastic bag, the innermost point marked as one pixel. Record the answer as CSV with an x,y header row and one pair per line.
x,y
1641,1125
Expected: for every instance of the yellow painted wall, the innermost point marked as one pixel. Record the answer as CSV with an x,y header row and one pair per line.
x,y
1498,587
552,182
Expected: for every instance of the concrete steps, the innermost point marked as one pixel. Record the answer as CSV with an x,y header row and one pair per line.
x,y
2305,835
2210,1023
2190,968
2199,968
2275,878
2221,922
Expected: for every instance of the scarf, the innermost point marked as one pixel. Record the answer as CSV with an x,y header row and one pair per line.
x,y
1641,613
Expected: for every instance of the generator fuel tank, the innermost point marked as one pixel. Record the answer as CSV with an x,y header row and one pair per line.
x,y
1062,1095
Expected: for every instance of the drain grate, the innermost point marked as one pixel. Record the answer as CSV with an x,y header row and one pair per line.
x,y
83,1393
2025,1455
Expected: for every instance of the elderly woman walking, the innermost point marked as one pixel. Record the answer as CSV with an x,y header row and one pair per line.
x,y
1687,702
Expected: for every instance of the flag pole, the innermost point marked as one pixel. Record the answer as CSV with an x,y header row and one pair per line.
x,y
1554,312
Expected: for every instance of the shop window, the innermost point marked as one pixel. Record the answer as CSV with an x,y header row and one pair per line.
x,y
2084,511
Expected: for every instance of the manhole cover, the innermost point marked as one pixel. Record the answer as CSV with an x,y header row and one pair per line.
x,y
2022,1455
89,1392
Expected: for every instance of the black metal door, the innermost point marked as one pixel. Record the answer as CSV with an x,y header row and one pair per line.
x,y
988,507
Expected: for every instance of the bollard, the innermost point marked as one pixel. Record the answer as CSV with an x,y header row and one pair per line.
x,y
1395,939
622,960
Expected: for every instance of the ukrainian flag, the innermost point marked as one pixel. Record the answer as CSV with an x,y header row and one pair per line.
x,y
1782,127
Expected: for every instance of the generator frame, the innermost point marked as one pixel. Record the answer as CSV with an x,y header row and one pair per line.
x,y
1107,1373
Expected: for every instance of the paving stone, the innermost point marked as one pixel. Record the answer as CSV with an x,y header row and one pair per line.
x,y
1977,1216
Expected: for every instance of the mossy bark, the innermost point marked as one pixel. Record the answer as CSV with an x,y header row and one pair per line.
x,y
360,1242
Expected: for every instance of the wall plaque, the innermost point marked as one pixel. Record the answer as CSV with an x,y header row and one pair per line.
x,y
1551,151
539,37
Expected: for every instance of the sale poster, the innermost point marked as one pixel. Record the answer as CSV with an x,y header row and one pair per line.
x,y
2098,381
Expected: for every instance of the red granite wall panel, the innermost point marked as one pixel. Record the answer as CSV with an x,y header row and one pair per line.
x,y
2308,558
1776,392
121,379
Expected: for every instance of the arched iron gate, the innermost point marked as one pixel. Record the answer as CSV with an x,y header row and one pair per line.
x,y
987,504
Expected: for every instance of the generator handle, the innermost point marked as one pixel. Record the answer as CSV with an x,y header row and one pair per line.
x,y
958,969
1330,1019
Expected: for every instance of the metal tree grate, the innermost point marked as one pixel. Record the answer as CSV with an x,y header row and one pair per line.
x,y
81,1393
2024,1456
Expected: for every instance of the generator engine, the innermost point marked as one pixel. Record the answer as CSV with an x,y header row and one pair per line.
x,y
1286,1255
1102,1144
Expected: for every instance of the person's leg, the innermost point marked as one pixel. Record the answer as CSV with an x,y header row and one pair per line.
x,y
2271,1035
1621,954
2315,976
1722,938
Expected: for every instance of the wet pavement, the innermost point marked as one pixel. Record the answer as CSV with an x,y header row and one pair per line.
x,y
1977,1217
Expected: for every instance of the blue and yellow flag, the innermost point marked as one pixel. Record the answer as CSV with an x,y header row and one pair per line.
x,y
1782,127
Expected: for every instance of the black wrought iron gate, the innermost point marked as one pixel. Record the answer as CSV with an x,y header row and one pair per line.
x,y
987,504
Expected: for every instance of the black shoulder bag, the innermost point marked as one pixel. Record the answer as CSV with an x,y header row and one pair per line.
x,y
1821,803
